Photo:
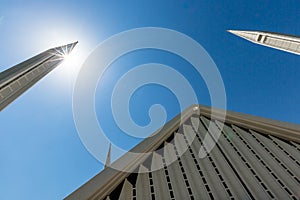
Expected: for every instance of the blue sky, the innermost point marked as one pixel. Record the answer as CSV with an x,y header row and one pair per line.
x,y
41,155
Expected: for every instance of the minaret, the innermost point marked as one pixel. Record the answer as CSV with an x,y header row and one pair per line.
x,y
108,158
19,78
274,40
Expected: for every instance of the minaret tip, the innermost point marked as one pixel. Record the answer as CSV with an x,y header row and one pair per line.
x,y
235,32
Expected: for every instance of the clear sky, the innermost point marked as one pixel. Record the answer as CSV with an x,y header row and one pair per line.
x,y
41,155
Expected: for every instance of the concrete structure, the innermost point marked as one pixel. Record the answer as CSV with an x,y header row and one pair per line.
x,y
254,158
274,40
16,80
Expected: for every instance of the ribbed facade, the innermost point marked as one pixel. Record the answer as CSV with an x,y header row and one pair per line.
x,y
16,80
245,163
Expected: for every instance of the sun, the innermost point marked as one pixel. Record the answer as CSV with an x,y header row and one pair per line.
x,y
70,54
65,74
73,59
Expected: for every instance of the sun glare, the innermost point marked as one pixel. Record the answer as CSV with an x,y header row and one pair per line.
x,y
64,75
73,60
66,72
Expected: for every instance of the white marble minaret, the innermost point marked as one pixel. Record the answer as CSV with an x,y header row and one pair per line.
x,y
274,40
19,78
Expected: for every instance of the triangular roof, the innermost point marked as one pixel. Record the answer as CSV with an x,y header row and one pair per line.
x,y
254,157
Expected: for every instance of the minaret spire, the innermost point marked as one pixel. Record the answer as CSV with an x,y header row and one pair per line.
x,y
282,42
16,80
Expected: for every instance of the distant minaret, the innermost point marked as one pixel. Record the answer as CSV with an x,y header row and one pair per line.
x,y
108,158
274,40
16,80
